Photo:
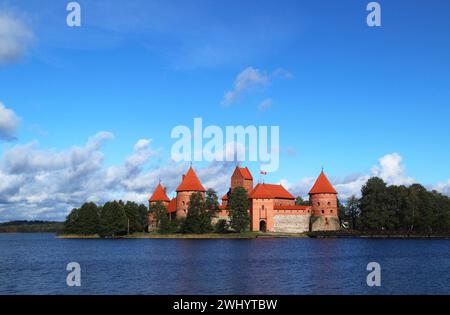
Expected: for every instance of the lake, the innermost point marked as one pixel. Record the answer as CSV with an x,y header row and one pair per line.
x,y
36,264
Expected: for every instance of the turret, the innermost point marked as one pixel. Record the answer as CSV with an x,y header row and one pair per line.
x,y
323,200
242,177
189,185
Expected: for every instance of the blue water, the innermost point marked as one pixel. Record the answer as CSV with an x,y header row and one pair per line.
x,y
36,264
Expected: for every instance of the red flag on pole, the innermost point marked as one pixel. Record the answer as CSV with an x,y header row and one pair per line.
x,y
263,173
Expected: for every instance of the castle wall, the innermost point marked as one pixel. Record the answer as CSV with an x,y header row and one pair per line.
x,y
248,185
325,223
291,223
284,202
261,210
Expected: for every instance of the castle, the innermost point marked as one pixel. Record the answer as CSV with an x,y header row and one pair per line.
x,y
272,207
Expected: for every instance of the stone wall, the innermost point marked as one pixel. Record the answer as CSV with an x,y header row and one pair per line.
x,y
288,223
325,223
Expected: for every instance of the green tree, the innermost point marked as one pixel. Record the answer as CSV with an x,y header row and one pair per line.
x,y
137,216
212,202
352,211
198,219
299,201
88,219
238,206
377,206
160,212
221,226
71,225
113,219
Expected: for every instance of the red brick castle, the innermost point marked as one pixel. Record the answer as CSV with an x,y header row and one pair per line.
x,y
272,207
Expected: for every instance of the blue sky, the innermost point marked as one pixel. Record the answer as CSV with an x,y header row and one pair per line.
x,y
359,101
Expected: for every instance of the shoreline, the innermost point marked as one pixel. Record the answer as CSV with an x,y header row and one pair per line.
x,y
255,235
189,236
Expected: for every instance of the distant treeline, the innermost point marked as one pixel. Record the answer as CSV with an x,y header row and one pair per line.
x,y
400,209
31,227
114,218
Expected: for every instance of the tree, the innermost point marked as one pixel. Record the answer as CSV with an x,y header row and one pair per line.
x,y
300,202
238,207
221,226
351,211
377,206
212,202
113,219
137,216
88,219
71,225
198,219
162,219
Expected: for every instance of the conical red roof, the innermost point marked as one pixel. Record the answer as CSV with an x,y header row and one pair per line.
x,y
159,194
191,182
322,186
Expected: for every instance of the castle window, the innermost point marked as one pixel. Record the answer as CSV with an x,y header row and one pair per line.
x,y
331,211
329,203
323,211
318,203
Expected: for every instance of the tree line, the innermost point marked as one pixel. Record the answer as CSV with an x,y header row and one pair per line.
x,y
114,218
411,209
117,218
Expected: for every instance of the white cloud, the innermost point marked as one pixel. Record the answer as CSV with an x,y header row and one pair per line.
x,y
15,37
249,78
265,105
252,78
38,183
8,122
281,73
389,168
443,188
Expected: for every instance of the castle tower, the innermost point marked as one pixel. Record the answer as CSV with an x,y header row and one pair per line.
x,y
188,186
242,177
159,195
323,199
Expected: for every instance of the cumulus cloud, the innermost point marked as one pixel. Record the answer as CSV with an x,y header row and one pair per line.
x,y
15,37
8,122
389,168
252,78
38,183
